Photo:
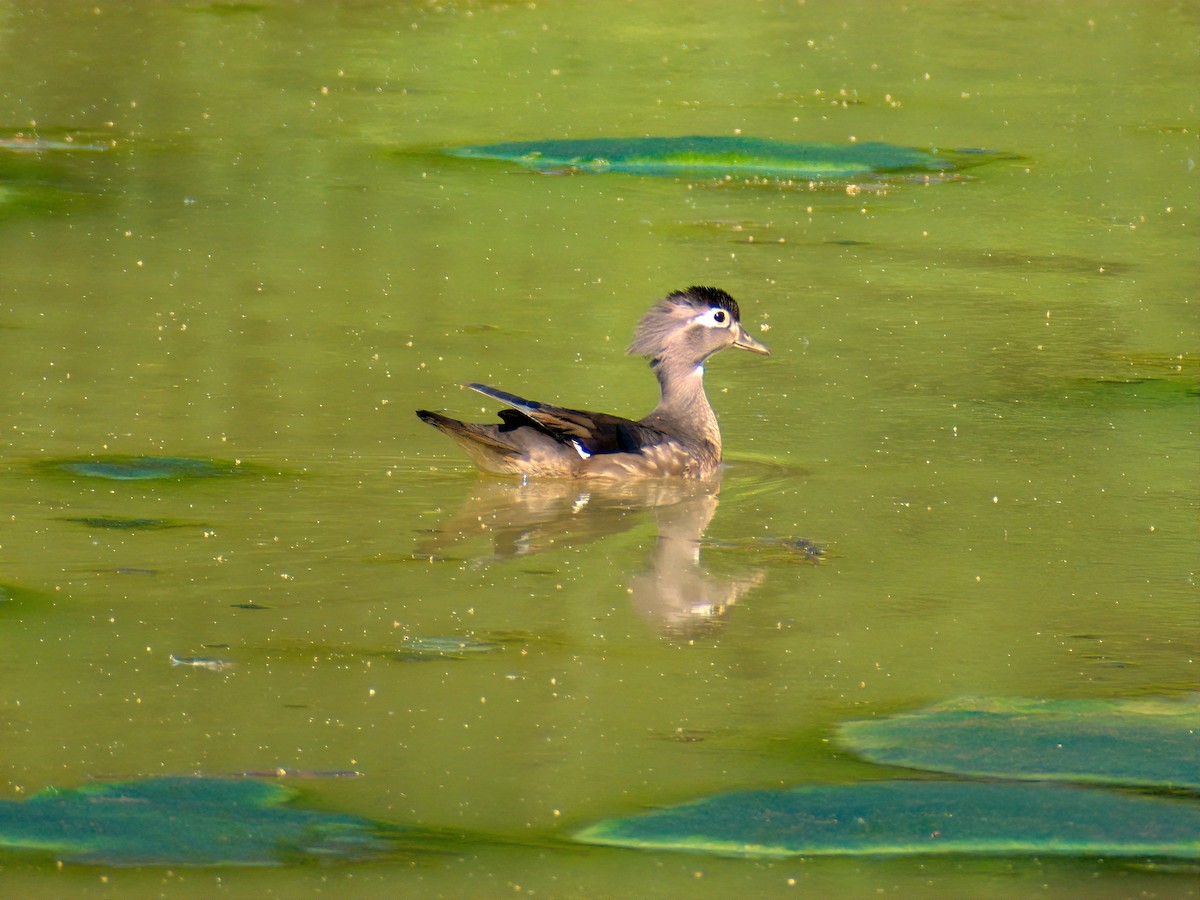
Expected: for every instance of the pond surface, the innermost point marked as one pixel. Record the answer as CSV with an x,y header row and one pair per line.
x,y
968,468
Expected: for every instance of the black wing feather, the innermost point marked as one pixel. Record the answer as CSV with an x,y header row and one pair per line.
x,y
597,433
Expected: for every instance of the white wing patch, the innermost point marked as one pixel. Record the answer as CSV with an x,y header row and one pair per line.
x,y
581,450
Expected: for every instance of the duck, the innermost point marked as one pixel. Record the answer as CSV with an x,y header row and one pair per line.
x,y
680,437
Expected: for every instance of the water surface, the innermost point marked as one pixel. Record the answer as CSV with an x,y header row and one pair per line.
x,y
981,405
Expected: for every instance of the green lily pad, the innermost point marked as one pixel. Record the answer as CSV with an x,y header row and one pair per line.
x,y
143,468
183,821
717,157
916,817
1146,742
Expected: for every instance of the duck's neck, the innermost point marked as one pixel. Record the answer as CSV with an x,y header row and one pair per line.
x,y
683,410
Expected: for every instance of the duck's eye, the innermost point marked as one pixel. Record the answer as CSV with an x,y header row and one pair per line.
x,y
715,318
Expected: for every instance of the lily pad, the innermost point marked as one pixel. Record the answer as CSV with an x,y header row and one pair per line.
x,y
717,157
1145,742
916,817
143,468
185,821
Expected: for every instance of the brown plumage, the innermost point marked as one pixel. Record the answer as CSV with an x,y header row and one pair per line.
x,y
679,437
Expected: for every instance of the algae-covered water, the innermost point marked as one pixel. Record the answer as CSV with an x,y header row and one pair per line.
x,y
229,234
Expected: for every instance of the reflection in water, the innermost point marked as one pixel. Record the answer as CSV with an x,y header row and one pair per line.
x,y
674,591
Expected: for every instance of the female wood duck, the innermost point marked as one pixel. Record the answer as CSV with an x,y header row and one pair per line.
x,y
679,438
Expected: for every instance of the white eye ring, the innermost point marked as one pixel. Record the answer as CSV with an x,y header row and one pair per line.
x,y
715,318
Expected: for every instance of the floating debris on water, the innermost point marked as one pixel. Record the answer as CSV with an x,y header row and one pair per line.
x,y
421,649
776,549
803,549
54,141
410,649
211,663
124,524
277,772
683,735
282,772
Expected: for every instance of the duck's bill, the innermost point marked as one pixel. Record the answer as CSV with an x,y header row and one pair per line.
x,y
745,342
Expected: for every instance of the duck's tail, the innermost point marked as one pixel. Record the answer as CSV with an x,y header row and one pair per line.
x,y
483,443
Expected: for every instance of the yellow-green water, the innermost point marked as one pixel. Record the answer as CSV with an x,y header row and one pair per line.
x,y
982,400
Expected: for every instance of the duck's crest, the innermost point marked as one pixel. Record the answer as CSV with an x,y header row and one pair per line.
x,y
706,298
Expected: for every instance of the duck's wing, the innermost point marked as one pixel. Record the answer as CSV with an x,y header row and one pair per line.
x,y
588,433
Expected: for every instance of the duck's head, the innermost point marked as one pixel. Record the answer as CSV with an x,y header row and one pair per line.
x,y
690,325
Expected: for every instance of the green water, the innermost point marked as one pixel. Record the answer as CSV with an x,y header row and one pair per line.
x,y
981,402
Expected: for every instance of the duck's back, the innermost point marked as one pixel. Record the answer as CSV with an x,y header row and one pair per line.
x,y
540,439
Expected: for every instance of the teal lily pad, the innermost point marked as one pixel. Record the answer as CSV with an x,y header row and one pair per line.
x,y
143,468
717,157
916,817
183,821
1130,742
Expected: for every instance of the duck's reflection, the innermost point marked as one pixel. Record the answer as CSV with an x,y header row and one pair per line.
x,y
674,590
